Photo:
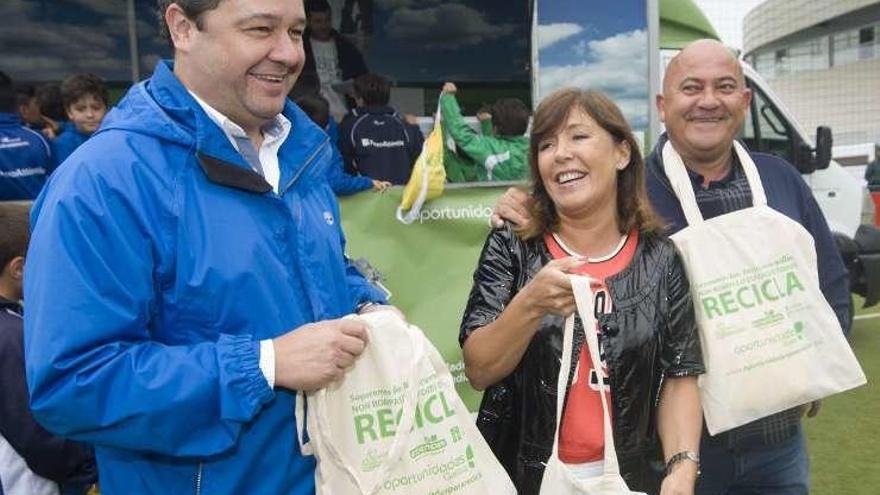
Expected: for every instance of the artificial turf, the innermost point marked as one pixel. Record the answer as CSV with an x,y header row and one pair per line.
x,y
844,439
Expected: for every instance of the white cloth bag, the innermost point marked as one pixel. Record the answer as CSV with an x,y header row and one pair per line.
x,y
558,478
770,339
395,424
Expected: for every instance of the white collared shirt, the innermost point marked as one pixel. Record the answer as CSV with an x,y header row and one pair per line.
x,y
274,135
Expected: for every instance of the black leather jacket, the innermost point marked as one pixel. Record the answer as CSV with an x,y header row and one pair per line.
x,y
650,334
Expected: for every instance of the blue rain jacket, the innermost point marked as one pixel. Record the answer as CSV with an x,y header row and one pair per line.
x,y
158,262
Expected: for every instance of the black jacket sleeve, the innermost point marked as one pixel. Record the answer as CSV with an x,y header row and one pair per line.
x,y
681,353
345,147
494,282
46,455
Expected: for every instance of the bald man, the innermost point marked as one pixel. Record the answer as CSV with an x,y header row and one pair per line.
x,y
703,105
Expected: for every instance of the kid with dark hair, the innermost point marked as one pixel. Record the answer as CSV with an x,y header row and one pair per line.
x,y
85,101
35,461
499,153
343,184
374,139
24,157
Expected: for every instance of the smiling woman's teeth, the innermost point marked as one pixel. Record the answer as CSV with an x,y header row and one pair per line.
x,y
568,176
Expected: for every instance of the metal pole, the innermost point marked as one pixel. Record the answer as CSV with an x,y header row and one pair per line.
x,y
133,43
653,72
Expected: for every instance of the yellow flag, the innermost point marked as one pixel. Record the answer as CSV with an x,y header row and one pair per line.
x,y
428,175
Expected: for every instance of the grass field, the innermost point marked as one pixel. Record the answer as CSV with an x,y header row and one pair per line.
x,y
844,439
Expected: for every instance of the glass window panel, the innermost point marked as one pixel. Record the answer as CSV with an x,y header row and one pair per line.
x,y
50,40
866,43
846,47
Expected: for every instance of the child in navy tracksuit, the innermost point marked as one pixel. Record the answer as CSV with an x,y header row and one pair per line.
x,y
343,184
374,139
33,460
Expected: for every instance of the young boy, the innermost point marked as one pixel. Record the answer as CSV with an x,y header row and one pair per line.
x,y
500,153
32,460
343,184
85,101
374,139
25,159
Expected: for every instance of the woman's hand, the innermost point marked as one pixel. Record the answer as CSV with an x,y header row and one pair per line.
x,y
550,291
681,480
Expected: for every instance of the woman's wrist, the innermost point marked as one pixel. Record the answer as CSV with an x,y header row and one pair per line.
x,y
687,461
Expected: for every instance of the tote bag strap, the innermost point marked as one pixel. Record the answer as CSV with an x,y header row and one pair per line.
x,y
676,171
404,428
759,198
305,447
583,296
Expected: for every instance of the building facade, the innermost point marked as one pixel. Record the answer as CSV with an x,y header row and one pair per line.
x,y
823,59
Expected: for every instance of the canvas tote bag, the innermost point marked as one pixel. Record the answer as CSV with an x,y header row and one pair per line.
x,y
558,479
395,424
770,339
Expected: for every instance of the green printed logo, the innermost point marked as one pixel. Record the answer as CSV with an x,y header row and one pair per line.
x,y
770,318
799,330
372,461
432,445
751,295
469,455
383,422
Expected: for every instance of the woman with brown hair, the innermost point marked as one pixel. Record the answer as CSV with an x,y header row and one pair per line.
x,y
592,217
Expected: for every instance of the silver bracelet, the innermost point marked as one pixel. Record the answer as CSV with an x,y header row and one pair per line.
x,y
686,455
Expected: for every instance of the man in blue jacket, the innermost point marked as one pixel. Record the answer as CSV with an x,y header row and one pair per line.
x,y
25,156
703,104
186,274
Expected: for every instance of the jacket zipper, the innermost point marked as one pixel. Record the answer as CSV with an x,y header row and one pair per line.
x,y
199,479
304,167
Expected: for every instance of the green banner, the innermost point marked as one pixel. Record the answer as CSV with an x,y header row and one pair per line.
x,y
428,265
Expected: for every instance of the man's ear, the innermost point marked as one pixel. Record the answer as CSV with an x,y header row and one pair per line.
x,y
180,27
658,101
15,268
747,95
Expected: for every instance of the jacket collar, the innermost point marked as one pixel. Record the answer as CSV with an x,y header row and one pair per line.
x,y
216,154
10,119
373,110
11,306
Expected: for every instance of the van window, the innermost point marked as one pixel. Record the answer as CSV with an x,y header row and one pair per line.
x,y
765,129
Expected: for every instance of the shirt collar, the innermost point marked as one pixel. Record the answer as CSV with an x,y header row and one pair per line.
x,y
275,130
10,305
732,174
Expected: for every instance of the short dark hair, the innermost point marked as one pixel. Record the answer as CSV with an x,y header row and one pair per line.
x,y
79,85
316,107
14,230
373,89
49,99
306,83
7,94
317,6
23,94
634,211
510,116
194,9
